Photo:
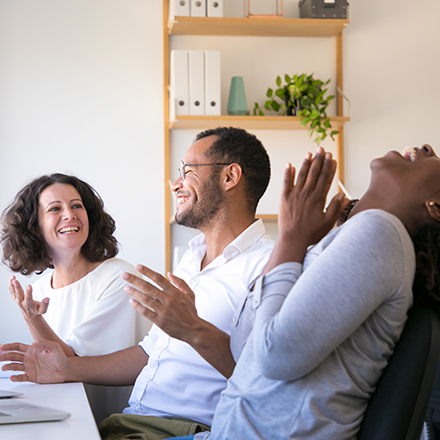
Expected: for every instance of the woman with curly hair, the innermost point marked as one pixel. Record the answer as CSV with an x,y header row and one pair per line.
x,y
58,222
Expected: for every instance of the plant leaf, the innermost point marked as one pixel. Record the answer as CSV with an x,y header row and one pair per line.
x,y
314,114
281,93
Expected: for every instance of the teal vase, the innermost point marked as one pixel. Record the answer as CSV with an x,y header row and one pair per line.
x,y
237,98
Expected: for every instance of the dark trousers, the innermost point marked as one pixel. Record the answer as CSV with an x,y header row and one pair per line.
x,y
135,427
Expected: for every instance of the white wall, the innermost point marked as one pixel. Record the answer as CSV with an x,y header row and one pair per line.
x,y
392,71
81,92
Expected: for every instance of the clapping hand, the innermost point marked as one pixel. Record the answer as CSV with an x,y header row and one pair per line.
x,y
41,362
29,308
303,216
303,219
171,306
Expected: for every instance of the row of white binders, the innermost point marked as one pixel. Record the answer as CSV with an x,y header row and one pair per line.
x,y
196,8
195,83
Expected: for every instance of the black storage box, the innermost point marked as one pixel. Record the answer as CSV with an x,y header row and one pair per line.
x,y
323,8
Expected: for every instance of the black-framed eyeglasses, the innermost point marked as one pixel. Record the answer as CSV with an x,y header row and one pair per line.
x,y
182,169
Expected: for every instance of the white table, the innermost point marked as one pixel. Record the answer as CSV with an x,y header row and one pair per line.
x,y
69,397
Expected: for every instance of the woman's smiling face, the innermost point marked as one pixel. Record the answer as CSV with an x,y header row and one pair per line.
x,y
417,169
63,219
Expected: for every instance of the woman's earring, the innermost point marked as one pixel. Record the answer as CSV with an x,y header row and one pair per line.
x,y
431,203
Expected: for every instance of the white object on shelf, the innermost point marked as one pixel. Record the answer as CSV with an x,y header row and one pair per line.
x,y
196,82
179,8
214,8
198,8
179,83
212,83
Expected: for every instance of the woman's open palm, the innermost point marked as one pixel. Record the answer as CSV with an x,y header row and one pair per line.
x,y
25,301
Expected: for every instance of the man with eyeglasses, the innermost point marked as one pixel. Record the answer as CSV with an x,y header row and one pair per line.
x,y
183,363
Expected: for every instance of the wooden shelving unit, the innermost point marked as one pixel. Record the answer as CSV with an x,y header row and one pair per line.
x,y
261,27
249,122
257,27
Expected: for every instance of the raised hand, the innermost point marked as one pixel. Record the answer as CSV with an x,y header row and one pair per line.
x,y
303,219
172,307
29,308
302,208
41,362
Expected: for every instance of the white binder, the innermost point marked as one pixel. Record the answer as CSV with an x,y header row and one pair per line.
x,y
179,83
196,82
179,8
198,8
214,8
212,83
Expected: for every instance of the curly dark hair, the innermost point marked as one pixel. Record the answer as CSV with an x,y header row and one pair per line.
x,y
235,145
426,285
24,248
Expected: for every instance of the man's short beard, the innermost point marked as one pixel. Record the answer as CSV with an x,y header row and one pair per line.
x,y
206,208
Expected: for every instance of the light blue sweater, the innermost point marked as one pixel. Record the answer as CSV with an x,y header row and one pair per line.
x,y
320,338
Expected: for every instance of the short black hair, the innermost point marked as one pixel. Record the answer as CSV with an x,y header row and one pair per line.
x,y
235,145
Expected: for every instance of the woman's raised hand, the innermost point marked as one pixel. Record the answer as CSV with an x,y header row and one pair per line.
x,y
25,301
303,219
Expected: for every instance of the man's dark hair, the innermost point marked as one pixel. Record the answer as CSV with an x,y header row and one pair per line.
x,y
235,145
24,248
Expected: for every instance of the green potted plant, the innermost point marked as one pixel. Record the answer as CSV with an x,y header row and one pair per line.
x,y
304,96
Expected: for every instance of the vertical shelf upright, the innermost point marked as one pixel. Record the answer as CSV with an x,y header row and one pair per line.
x,y
199,26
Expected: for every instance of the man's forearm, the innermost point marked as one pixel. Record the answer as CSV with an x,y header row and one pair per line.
x,y
119,368
213,345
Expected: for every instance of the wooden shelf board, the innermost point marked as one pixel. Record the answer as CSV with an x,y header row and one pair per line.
x,y
249,122
268,217
264,217
275,27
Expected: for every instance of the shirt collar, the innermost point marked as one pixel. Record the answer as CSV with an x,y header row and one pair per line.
x,y
240,244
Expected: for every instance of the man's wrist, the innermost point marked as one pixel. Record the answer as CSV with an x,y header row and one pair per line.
x,y
196,338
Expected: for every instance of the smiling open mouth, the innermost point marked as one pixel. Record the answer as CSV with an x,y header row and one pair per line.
x,y
182,199
68,229
409,153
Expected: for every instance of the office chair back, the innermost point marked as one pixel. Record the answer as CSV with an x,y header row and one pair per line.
x,y
397,408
